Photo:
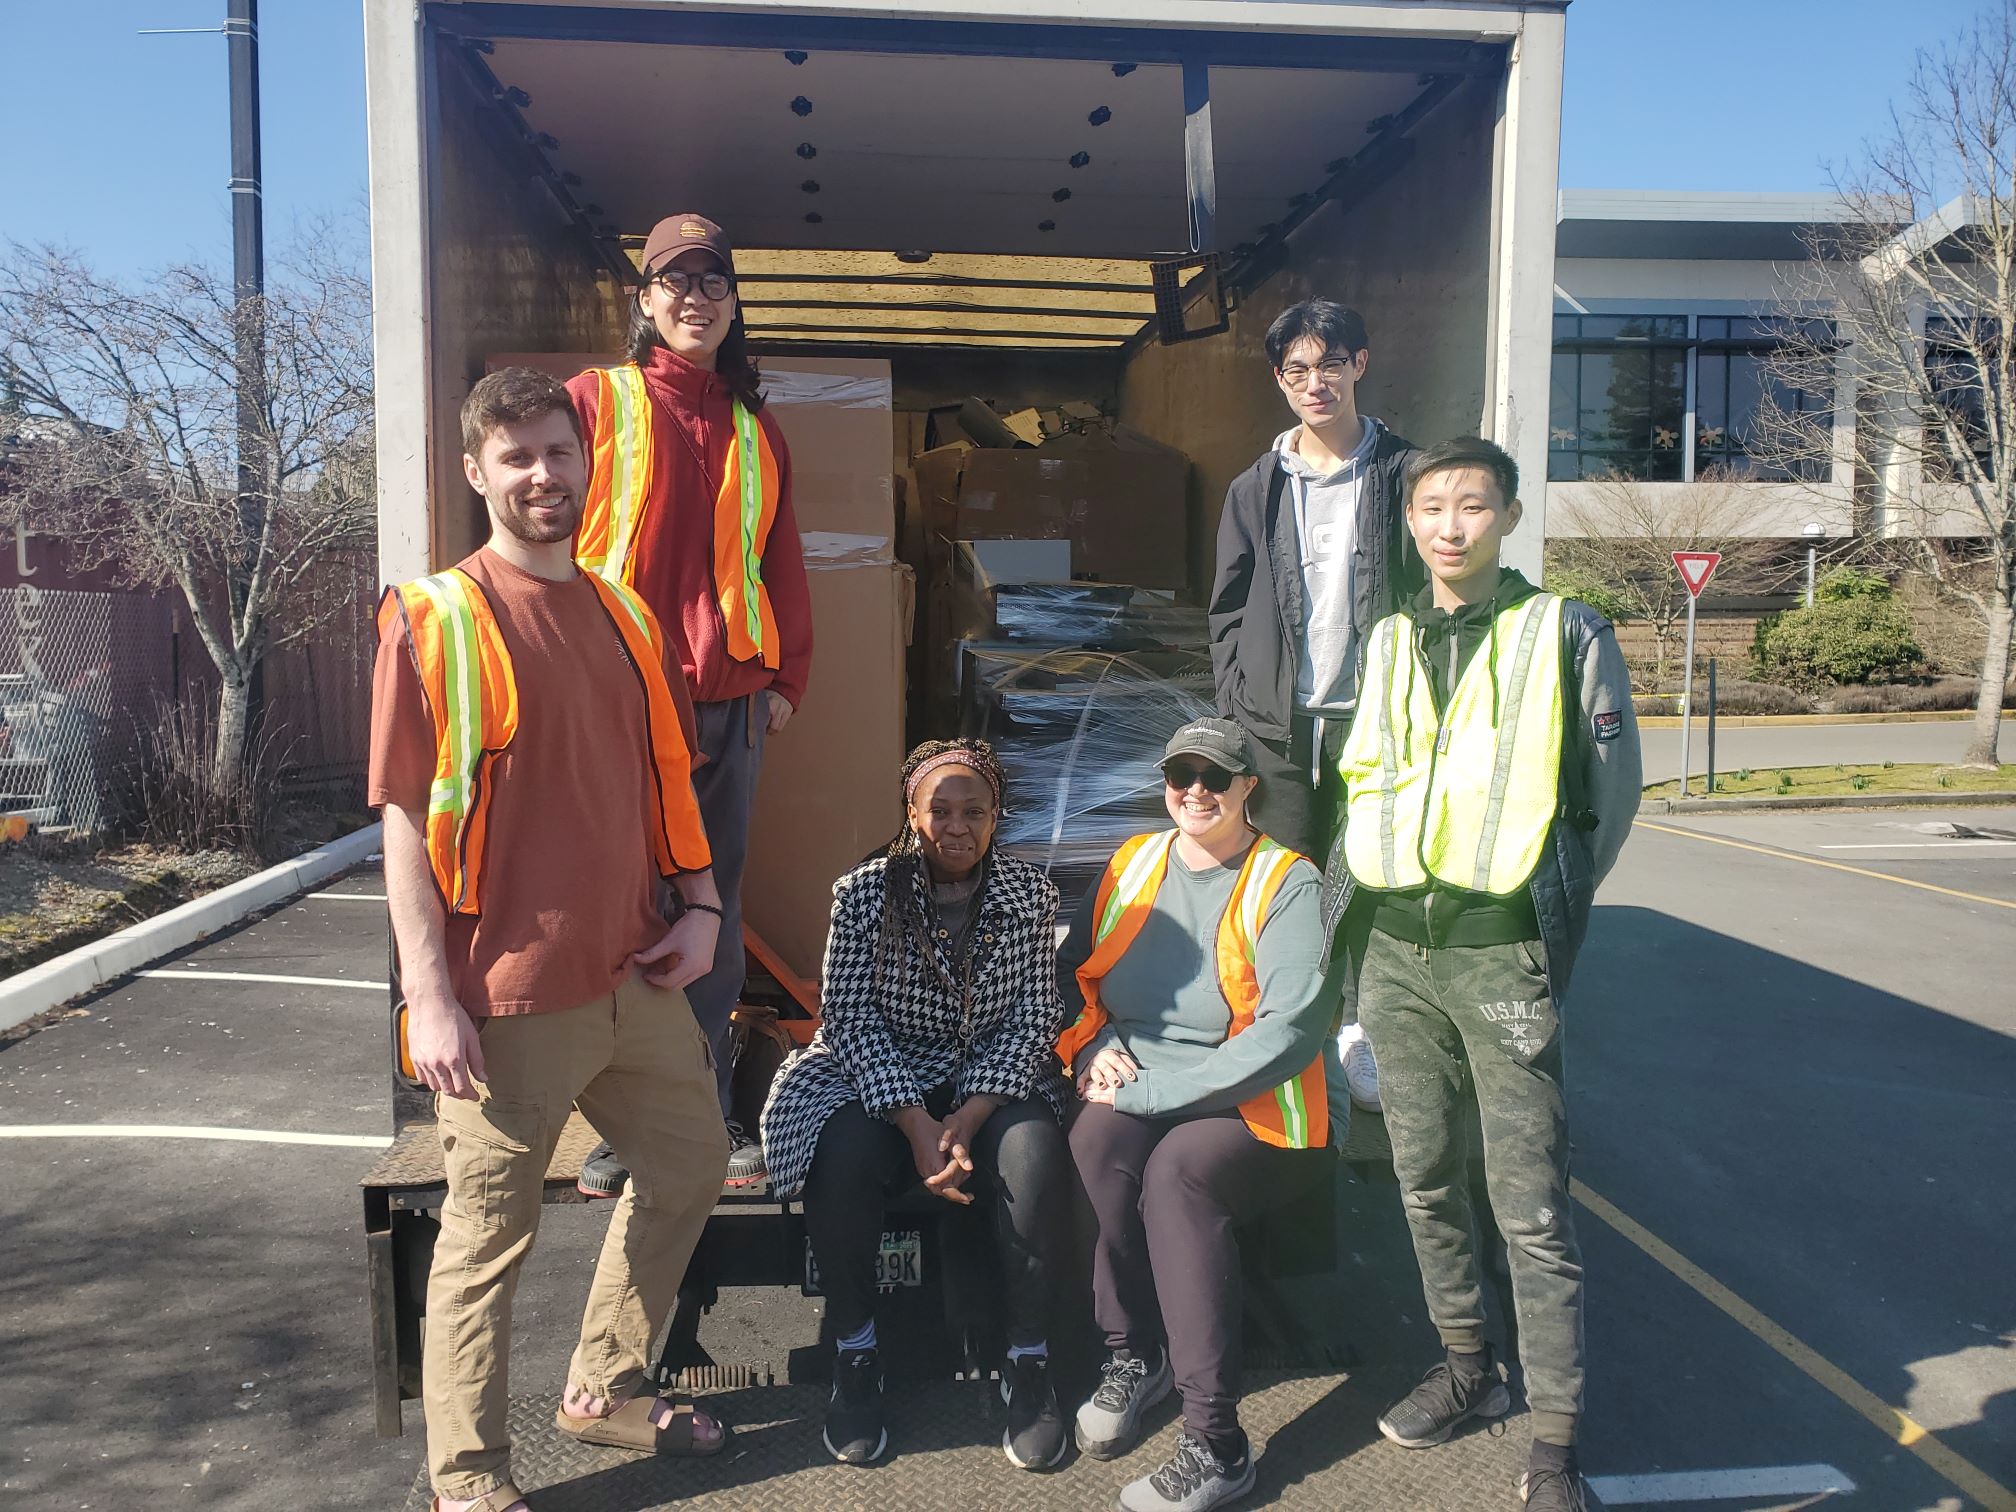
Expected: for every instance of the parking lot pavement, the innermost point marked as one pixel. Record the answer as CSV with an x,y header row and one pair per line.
x,y
1795,1078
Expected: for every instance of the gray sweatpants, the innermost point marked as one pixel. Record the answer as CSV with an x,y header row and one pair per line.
x,y
732,739
1460,1025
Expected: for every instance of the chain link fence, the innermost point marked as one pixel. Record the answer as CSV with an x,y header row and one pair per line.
x,y
82,676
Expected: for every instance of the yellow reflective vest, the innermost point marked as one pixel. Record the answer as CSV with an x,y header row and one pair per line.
x,y
1296,1114
1466,796
623,465
472,695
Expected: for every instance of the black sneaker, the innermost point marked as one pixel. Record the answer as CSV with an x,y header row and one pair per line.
x,y
1193,1480
1110,1421
745,1158
1036,1438
854,1431
1553,1483
1429,1413
602,1174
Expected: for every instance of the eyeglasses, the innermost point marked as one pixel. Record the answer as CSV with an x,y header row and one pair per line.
x,y
714,284
1181,775
1330,370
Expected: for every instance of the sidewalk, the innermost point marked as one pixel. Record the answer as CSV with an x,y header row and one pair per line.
x,y
1764,746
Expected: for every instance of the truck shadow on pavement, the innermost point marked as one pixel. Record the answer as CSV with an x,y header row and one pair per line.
x,y
1835,1153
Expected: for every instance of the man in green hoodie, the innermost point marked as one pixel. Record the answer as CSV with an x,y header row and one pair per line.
x,y
1490,775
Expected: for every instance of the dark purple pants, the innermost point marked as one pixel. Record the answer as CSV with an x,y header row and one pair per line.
x,y
1168,1193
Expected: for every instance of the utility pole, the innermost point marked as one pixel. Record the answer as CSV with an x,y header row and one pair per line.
x,y
248,273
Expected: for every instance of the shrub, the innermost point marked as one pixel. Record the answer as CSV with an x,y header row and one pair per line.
x,y
1754,698
180,802
1846,583
1947,695
1853,635
1579,582
1652,705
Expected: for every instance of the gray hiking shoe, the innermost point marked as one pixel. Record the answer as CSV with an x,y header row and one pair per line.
x,y
1446,1397
1110,1421
1552,1482
1193,1480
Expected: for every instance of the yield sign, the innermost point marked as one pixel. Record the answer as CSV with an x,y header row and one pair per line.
x,y
1696,567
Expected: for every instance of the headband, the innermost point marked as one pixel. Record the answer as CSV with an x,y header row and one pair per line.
x,y
964,756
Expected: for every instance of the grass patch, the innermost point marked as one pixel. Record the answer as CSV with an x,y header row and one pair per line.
x,y
1854,777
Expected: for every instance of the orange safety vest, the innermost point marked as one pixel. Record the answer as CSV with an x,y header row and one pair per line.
x,y
622,457
466,676
1294,1115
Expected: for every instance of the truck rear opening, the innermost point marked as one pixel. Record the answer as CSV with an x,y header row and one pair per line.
x,y
983,203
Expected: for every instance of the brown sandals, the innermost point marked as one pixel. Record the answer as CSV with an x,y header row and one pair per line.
x,y
630,1427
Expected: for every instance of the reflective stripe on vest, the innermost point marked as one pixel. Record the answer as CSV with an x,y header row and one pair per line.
x,y
1468,798
471,690
1294,1115
744,510
466,676
623,466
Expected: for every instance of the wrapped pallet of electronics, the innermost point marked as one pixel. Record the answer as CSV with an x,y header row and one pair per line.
x,y
1080,733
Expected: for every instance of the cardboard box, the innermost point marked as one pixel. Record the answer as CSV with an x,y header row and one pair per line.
x,y
827,794
838,418
1119,500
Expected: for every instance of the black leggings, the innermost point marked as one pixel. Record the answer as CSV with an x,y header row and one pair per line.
x,y
1165,1269
1020,1168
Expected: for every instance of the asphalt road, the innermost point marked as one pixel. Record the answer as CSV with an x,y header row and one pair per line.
x,y
1792,1052
1762,747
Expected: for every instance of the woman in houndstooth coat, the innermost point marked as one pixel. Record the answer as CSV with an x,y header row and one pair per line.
x,y
934,1062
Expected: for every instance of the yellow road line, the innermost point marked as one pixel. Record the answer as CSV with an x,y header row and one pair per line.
x,y
1892,1423
1840,866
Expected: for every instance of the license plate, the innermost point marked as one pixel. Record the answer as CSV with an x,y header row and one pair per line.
x,y
898,1262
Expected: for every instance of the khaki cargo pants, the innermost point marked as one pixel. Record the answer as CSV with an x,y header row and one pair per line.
x,y
638,1067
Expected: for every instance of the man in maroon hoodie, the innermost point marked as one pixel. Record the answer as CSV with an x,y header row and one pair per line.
x,y
690,503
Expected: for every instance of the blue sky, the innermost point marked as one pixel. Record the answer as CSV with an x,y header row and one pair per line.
x,y
130,151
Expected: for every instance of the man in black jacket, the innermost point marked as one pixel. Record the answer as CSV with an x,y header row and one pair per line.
x,y
1312,552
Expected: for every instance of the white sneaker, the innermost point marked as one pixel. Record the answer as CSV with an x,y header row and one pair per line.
x,y
1361,1071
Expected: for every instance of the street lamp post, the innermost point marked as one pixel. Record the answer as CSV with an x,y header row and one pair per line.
x,y
1813,532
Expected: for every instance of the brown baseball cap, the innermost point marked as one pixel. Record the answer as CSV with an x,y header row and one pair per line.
x,y
682,233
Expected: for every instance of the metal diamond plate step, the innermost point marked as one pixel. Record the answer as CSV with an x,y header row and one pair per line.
x,y
1317,1435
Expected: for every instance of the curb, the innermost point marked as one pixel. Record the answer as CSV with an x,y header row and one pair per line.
x,y
1822,801
89,967
1769,721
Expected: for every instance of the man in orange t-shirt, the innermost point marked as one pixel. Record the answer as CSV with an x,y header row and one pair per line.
x,y
568,988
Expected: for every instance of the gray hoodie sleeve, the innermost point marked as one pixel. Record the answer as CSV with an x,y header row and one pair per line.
x,y
1612,770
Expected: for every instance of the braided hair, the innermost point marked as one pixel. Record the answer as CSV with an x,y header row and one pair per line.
x,y
901,915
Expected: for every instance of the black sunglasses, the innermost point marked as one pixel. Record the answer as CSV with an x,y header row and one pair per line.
x,y
713,283
1180,775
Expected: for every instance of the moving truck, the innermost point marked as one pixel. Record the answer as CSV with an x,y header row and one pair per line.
x,y
1097,203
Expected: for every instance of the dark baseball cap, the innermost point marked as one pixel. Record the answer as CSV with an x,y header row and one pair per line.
x,y
682,233
1218,741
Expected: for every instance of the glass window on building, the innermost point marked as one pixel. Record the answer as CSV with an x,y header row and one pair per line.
x,y
1619,397
1748,422
1953,368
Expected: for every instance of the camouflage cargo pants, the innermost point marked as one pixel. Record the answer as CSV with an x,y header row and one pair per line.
x,y
1462,1026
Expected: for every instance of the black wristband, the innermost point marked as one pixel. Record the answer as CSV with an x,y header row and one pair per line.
x,y
703,908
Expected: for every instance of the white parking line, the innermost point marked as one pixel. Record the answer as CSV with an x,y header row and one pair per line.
x,y
1915,844
351,897
1718,1485
190,1131
257,976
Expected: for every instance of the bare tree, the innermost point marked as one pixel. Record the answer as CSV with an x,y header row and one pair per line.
x,y
1613,543
1919,282
127,442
